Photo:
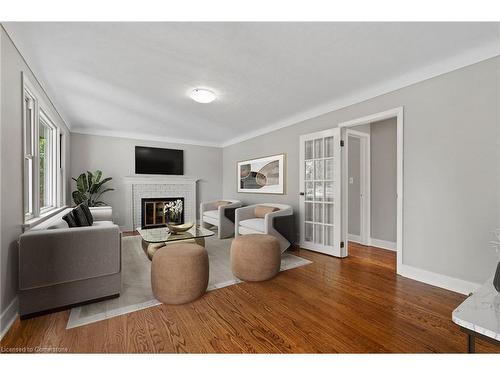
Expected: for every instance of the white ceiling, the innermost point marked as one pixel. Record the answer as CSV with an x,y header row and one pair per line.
x,y
133,79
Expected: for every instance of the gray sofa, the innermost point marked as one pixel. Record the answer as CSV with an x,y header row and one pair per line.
x,y
61,267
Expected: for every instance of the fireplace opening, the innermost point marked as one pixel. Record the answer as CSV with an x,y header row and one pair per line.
x,y
153,213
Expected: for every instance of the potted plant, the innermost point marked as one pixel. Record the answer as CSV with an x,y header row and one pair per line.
x,y
496,246
173,211
90,188
173,215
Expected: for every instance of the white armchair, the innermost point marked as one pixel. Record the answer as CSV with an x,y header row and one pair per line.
x,y
221,214
248,220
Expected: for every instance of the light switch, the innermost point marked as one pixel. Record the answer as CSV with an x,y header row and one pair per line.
x,y
351,180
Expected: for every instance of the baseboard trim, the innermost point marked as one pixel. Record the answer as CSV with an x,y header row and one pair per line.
x,y
354,238
439,280
8,317
387,245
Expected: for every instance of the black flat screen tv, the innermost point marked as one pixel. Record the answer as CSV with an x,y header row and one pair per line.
x,y
151,160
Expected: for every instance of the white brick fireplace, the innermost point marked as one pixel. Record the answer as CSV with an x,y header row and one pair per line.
x,y
162,187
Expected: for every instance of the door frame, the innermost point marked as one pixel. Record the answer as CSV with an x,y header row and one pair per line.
x,y
398,113
364,184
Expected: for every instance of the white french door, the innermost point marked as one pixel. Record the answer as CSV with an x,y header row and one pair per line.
x,y
320,192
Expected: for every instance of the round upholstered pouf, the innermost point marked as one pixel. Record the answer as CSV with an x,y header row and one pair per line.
x,y
151,248
255,257
179,273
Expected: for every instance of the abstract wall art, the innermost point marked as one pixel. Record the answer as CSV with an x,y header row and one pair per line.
x,y
263,175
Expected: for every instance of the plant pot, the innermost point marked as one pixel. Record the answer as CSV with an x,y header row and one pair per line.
x,y
496,279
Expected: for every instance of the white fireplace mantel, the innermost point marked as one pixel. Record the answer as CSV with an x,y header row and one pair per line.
x,y
156,179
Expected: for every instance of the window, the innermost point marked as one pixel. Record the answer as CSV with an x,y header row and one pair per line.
x,y
43,182
47,155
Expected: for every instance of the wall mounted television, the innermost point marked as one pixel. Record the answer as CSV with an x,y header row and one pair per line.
x,y
151,160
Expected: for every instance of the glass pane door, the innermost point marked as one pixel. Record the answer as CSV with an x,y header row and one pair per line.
x,y
318,187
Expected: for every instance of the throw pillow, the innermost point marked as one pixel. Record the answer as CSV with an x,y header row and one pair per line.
x,y
88,214
221,203
70,219
261,211
80,217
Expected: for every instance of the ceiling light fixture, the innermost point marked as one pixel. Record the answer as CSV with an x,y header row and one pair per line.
x,y
203,96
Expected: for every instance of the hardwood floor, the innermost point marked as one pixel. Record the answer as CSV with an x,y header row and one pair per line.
x,y
354,305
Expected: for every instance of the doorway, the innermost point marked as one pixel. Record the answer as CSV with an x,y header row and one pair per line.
x,y
359,184
360,214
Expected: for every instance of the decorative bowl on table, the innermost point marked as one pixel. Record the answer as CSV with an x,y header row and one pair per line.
x,y
179,228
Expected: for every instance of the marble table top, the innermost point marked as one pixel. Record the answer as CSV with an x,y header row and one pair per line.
x,y
480,312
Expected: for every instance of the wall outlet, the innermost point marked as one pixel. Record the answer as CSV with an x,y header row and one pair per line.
x,y
351,180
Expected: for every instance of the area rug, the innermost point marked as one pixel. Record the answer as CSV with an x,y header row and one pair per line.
x,y
136,282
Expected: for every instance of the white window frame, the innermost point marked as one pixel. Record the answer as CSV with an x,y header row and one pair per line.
x,y
30,102
31,178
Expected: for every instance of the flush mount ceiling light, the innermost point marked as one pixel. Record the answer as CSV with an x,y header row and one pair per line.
x,y
202,96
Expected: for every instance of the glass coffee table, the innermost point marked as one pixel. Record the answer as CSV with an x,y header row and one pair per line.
x,y
155,238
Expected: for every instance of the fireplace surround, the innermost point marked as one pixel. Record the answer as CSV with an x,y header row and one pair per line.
x,y
153,215
154,186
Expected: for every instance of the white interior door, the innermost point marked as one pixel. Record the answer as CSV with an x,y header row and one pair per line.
x,y
320,192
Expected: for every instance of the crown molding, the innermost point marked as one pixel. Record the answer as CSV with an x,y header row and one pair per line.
x,y
142,137
470,57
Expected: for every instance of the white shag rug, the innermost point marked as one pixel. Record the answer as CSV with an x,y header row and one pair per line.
x,y
136,291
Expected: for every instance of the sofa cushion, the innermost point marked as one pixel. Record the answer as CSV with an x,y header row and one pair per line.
x,y
88,214
80,216
103,223
255,224
214,214
261,211
102,213
59,225
55,221
70,219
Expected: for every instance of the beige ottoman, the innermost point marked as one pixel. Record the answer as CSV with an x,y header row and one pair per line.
x,y
255,257
150,248
179,273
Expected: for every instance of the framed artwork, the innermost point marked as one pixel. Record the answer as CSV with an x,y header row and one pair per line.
x,y
263,175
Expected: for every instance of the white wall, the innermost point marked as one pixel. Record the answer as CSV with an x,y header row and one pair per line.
x,y
12,64
383,189
451,165
115,157
354,187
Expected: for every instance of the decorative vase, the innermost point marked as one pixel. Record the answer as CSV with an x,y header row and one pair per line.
x,y
180,228
496,279
174,219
